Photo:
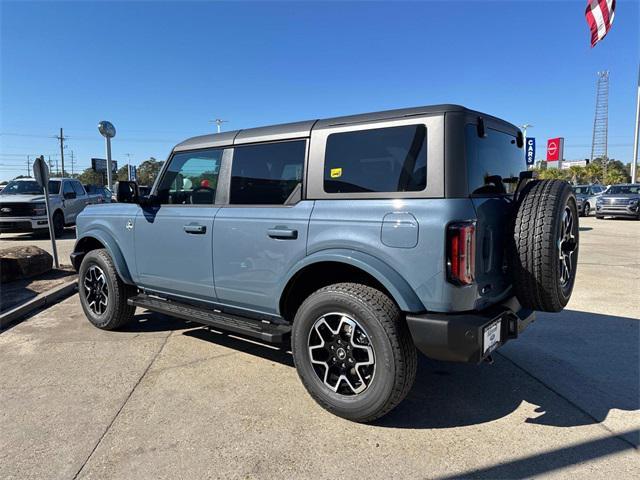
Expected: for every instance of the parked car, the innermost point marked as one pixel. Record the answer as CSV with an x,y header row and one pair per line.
x,y
104,194
587,195
362,239
619,201
22,205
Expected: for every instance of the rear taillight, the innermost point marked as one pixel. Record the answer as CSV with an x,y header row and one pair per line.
x,y
461,253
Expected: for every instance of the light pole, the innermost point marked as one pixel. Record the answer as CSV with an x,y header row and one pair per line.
x,y
108,131
128,166
524,130
218,123
524,139
636,134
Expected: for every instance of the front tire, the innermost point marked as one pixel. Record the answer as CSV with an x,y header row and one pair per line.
x,y
353,351
586,210
103,295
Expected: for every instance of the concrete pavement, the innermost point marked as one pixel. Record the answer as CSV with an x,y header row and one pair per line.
x,y
169,399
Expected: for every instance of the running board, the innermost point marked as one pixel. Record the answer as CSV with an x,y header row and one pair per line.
x,y
267,332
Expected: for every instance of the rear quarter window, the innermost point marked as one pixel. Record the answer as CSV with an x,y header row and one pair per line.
x,y
392,159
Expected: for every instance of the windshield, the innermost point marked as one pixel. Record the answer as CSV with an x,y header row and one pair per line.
x,y
29,187
494,162
584,190
623,189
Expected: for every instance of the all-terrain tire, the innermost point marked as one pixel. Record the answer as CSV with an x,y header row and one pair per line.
x,y
543,245
115,312
393,350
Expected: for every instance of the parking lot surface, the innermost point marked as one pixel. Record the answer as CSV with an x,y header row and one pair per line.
x,y
169,399
64,245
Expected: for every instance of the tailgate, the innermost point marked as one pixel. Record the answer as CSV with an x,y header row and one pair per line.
x,y
491,234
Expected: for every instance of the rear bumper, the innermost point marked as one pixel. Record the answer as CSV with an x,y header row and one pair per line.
x,y
459,337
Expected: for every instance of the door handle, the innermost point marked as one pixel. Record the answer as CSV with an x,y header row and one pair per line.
x,y
283,233
195,229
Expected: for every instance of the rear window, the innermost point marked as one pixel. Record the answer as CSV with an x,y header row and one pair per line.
x,y
390,159
494,162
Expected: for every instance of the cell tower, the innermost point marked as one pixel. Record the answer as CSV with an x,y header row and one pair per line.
x,y
601,120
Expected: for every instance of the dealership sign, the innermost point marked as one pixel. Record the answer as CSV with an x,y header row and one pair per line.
x,y
555,149
531,151
100,165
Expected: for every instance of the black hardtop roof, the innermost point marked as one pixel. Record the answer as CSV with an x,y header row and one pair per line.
x,y
303,129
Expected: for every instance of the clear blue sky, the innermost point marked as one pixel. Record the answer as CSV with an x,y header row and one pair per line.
x,y
160,71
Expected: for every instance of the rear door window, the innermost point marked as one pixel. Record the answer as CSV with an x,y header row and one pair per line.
x,y
392,159
266,174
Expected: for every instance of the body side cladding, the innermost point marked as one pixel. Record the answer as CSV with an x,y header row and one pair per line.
x,y
397,286
110,244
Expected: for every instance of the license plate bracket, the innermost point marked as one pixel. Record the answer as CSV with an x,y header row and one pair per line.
x,y
491,337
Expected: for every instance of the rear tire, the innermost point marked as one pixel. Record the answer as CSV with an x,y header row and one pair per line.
x,y
103,295
543,246
371,328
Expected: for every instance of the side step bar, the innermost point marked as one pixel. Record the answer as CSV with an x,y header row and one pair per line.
x,y
267,332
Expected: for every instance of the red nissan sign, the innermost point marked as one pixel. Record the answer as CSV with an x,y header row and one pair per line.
x,y
555,147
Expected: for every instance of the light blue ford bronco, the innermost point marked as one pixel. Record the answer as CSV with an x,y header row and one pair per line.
x,y
360,240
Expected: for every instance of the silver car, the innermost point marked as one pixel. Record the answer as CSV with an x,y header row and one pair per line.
x,y
587,196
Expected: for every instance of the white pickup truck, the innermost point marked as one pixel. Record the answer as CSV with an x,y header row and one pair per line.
x,y
22,205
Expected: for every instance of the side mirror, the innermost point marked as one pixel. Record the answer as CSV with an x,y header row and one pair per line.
x,y
127,192
69,195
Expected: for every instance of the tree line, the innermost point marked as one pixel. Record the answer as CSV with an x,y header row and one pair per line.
x,y
594,172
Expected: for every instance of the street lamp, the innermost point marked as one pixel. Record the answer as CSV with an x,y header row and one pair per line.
x,y
524,129
108,131
218,123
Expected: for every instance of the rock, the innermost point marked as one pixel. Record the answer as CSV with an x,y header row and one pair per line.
x,y
23,262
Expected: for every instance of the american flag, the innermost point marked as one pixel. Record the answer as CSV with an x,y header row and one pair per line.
x,y
599,15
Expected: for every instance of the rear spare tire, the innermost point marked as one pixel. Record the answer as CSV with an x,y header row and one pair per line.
x,y
542,252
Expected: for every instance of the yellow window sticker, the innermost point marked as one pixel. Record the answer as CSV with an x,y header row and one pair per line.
x,y
336,172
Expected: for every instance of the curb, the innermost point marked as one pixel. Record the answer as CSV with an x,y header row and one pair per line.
x,y
40,301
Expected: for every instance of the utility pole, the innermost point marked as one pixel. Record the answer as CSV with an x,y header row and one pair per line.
x,y
28,167
62,138
72,162
50,164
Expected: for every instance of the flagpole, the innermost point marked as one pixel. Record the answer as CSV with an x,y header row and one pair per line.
x,y
634,160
